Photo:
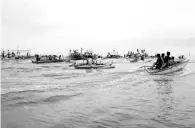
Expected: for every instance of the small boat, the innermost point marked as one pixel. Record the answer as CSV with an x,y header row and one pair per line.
x,y
181,64
46,61
104,66
94,66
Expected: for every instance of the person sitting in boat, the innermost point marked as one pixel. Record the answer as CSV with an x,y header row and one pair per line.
x,y
181,57
60,57
87,62
13,54
163,56
172,61
37,58
53,57
92,61
159,63
142,57
50,58
167,59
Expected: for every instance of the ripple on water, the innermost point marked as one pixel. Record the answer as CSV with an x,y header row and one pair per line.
x,y
57,95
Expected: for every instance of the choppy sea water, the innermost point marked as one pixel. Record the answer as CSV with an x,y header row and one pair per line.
x,y
59,96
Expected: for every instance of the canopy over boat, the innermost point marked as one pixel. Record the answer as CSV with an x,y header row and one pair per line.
x,y
171,69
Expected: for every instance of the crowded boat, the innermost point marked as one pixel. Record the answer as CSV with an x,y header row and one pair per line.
x,y
15,54
139,56
47,59
167,64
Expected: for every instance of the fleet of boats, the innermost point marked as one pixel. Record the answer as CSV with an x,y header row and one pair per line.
x,y
74,56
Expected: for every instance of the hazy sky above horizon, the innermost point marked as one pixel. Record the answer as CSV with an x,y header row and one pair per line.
x,y
55,26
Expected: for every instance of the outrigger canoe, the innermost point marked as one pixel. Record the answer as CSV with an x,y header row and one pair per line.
x,y
104,66
171,69
46,61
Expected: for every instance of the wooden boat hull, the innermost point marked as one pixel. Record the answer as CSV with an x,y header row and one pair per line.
x,y
103,66
46,61
93,66
83,67
171,69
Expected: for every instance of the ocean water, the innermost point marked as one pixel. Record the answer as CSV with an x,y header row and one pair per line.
x,y
58,96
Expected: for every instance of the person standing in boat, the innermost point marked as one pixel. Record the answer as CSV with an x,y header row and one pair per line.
x,y
60,57
3,54
27,54
8,54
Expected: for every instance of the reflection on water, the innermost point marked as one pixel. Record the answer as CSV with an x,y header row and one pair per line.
x,y
165,99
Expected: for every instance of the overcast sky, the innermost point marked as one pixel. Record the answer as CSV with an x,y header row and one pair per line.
x,y
55,26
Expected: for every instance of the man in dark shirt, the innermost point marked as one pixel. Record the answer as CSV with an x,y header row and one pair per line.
x,y
163,56
167,58
158,63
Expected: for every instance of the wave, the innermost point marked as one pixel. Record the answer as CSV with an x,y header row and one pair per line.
x,y
22,91
47,100
37,69
29,89
18,95
56,98
58,66
52,75
7,68
67,77
187,72
45,66
64,68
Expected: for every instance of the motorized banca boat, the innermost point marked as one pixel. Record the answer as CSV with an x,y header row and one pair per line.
x,y
94,66
181,64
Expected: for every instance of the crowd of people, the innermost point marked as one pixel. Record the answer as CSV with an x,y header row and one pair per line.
x,y
10,54
48,57
137,55
76,55
164,61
